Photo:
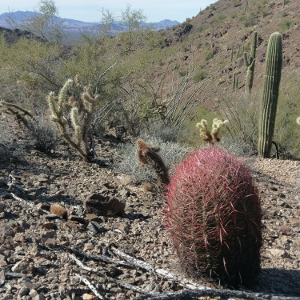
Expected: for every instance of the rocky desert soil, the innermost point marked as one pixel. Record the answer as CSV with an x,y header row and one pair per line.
x,y
38,250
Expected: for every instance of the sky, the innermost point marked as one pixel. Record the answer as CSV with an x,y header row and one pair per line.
x,y
91,10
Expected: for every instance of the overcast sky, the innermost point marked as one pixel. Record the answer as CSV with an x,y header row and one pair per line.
x,y
90,10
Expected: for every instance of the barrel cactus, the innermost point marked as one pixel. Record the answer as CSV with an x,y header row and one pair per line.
x,y
214,217
268,109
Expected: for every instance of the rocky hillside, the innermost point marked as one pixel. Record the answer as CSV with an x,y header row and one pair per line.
x,y
225,26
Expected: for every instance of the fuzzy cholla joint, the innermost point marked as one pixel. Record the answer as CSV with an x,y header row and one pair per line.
x,y
66,106
147,154
215,134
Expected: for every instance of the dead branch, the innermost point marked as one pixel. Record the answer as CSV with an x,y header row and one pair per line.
x,y
159,272
214,293
29,204
15,275
119,282
135,262
98,257
92,288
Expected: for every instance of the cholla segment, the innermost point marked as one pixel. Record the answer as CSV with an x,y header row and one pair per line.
x,y
215,134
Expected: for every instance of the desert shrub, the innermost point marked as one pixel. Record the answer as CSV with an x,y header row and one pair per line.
x,y
241,110
199,76
171,153
208,54
214,217
285,24
249,20
43,134
166,133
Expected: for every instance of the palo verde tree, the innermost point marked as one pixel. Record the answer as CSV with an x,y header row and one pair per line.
x,y
44,22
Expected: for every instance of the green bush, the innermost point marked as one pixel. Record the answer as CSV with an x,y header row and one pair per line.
x,y
208,54
199,76
285,24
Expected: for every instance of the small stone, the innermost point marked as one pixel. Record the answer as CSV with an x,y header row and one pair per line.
x,y
44,206
124,193
39,297
19,238
77,219
23,291
89,297
48,225
25,266
88,246
95,227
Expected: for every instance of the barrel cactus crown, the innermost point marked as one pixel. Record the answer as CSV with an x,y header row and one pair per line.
x,y
214,217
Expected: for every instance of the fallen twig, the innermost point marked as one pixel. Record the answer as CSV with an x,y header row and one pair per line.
x,y
92,288
29,204
16,275
159,272
81,265
217,293
119,282
135,262
98,257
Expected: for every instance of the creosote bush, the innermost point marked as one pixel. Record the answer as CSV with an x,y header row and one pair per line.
x,y
214,217
44,135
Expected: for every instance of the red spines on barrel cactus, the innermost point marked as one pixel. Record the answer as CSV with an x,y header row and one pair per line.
x,y
214,217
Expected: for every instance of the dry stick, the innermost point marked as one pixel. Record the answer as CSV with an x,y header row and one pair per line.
x,y
98,257
210,293
92,288
84,267
216,293
120,283
16,275
160,272
135,262
29,204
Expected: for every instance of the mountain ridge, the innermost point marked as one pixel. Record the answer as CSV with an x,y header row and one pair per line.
x,y
72,24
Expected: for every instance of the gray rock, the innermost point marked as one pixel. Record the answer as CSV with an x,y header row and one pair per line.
x,y
103,206
95,227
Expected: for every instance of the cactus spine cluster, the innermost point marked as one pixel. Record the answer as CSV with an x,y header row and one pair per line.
x,y
214,135
250,63
79,110
270,94
214,217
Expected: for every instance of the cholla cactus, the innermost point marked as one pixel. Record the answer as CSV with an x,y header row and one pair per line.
x,y
147,154
79,110
215,134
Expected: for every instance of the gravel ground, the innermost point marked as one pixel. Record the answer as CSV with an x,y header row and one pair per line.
x,y
35,247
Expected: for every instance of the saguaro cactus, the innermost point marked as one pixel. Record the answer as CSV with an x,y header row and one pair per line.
x,y
270,94
250,64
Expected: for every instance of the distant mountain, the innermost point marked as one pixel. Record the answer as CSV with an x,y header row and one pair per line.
x,y
75,25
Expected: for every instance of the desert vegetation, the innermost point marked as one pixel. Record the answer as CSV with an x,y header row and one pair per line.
x,y
148,91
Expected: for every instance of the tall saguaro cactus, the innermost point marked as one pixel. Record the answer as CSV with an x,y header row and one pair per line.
x,y
270,94
250,64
